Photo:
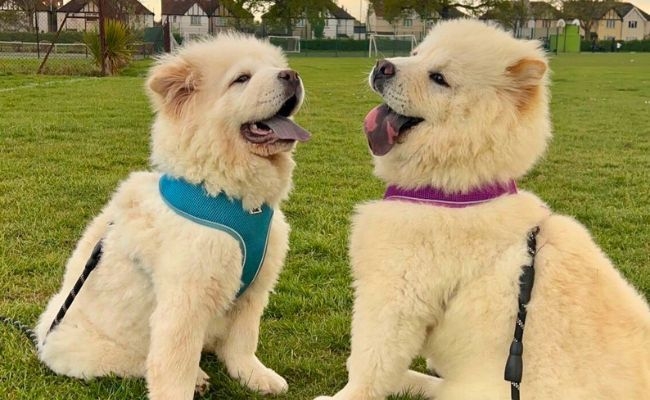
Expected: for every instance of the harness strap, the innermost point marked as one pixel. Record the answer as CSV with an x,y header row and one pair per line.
x,y
514,364
92,262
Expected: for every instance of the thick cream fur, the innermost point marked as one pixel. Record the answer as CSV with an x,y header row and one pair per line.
x,y
443,283
474,132
165,287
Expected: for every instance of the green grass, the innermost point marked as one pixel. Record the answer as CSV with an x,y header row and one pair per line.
x,y
65,143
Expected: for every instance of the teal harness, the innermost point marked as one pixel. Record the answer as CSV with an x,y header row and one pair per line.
x,y
249,228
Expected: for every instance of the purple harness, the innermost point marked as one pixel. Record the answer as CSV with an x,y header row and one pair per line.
x,y
434,196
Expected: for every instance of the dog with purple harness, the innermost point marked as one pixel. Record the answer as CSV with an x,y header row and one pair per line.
x,y
455,257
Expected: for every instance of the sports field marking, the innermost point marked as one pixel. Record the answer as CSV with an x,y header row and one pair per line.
x,y
50,83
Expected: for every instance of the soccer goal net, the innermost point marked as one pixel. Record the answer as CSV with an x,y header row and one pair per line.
x,y
391,45
290,44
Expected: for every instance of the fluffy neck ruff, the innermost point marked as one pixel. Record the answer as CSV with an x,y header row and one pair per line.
x,y
437,197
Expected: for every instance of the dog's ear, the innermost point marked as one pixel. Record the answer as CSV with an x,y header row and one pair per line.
x,y
526,78
172,84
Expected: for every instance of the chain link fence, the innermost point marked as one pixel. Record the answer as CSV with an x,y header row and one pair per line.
x,y
50,42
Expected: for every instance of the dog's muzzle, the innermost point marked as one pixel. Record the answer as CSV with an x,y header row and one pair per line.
x,y
383,71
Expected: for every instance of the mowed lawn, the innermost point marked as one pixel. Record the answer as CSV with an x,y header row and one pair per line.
x,y
65,143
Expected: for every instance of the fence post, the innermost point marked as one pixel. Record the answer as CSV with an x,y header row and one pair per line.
x,y
38,41
54,39
102,36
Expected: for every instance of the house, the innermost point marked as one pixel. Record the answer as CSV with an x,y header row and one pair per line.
x,y
45,15
623,21
408,23
20,15
538,21
336,22
83,15
194,18
542,20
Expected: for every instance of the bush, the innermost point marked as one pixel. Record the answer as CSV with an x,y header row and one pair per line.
x,y
64,37
331,45
606,46
119,42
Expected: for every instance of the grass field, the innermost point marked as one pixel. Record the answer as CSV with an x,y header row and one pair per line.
x,y
66,142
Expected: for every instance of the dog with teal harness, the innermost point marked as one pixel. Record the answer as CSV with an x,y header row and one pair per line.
x,y
249,227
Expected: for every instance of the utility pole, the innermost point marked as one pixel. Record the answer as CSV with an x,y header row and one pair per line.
x,y
102,36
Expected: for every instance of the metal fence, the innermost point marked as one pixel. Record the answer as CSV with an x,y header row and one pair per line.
x,y
53,43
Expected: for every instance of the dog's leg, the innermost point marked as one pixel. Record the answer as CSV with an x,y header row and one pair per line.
x,y
185,305
202,383
386,335
237,349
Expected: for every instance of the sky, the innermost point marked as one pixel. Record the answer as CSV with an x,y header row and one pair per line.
x,y
354,6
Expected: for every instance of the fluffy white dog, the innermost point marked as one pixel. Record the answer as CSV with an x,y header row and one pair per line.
x,y
437,264
166,287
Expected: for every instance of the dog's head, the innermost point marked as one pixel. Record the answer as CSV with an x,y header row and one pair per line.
x,y
223,113
469,107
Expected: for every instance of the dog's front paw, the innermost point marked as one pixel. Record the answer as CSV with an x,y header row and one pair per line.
x,y
202,383
266,381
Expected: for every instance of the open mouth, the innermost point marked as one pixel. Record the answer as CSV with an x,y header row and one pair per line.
x,y
278,128
383,126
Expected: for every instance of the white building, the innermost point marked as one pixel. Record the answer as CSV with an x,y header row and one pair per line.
x,y
83,15
194,18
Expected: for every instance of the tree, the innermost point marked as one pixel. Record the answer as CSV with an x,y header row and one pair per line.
x,y
433,9
588,12
512,15
287,12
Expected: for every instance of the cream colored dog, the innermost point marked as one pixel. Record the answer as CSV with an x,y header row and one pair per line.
x,y
165,288
468,110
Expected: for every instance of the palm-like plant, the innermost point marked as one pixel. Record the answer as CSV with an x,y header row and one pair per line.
x,y
118,46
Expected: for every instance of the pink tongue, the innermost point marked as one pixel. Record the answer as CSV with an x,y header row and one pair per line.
x,y
382,127
285,128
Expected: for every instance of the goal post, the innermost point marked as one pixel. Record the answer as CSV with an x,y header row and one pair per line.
x,y
290,44
391,45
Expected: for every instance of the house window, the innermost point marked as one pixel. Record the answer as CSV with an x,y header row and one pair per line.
x,y
300,23
611,23
174,18
327,22
408,22
631,24
195,20
546,23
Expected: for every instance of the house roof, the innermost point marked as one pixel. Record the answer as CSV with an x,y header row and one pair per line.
x,y
623,8
543,10
210,7
338,12
47,5
112,7
454,12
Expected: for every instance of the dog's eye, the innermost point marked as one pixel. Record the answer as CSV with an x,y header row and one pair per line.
x,y
242,78
438,78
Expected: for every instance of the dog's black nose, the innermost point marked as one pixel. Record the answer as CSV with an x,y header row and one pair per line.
x,y
383,70
289,76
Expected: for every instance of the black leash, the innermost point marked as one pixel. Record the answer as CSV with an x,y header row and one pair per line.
x,y
92,262
514,365
90,266
29,332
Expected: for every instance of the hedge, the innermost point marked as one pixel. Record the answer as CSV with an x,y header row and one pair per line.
x,y
64,37
606,46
